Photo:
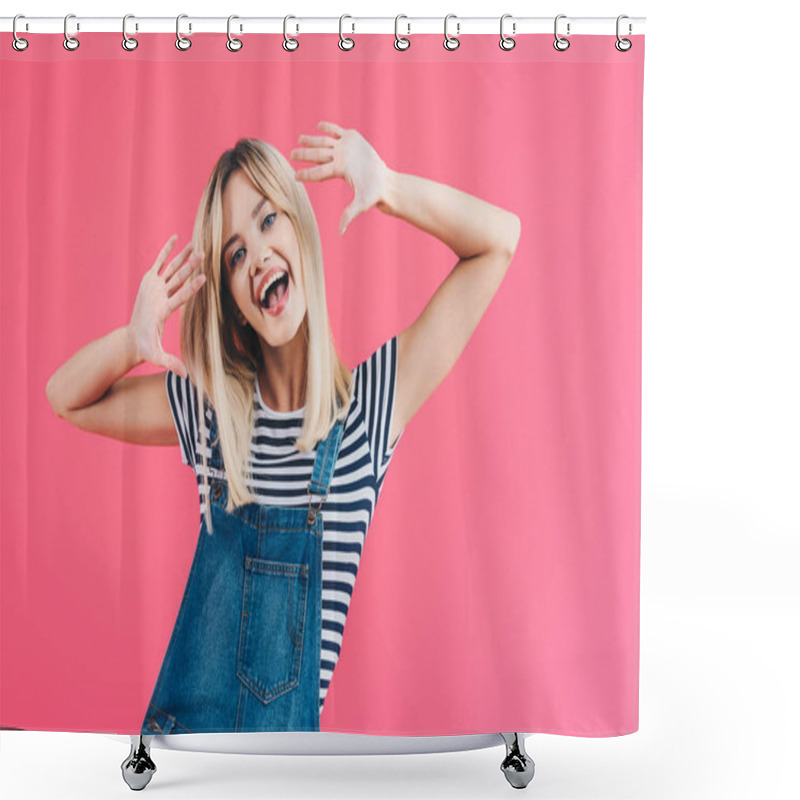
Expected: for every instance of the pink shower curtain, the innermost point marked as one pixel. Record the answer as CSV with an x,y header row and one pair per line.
x,y
498,582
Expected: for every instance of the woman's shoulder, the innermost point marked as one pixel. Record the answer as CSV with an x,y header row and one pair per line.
x,y
380,364
374,379
184,396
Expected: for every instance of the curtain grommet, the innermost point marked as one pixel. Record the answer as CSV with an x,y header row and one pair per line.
x,y
345,42
70,42
451,42
290,44
182,42
561,43
506,42
128,42
233,44
17,42
623,45
401,42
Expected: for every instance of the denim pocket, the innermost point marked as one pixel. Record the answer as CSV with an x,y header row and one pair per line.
x,y
272,627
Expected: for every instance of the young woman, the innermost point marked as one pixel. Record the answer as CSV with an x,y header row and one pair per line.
x,y
273,423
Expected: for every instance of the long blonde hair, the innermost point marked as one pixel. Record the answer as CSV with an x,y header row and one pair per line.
x,y
223,357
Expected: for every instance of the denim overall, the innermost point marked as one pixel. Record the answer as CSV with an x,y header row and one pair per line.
x,y
244,654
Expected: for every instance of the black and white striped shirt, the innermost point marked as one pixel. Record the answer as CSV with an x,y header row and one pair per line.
x,y
281,475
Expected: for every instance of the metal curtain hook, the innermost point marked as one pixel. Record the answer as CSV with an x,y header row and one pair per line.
x,y
506,42
623,45
128,42
560,42
289,42
70,42
182,43
400,42
451,42
233,44
18,43
345,42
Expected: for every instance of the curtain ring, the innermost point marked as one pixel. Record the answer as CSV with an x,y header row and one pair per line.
x,y
400,42
623,45
289,42
560,42
233,44
451,42
506,42
345,42
128,42
182,43
70,42
18,43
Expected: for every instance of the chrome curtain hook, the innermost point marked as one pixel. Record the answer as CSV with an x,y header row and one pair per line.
x,y
345,42
70,42
182,43
623,45
560,42
18,43
451,42
289,42
400,42
233,44
128,42
506,42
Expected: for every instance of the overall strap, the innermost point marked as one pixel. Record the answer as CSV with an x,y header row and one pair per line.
x,y
324,463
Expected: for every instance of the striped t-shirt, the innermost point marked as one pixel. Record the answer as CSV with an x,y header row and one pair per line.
x,y
281,475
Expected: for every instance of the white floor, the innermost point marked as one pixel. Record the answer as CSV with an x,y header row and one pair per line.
x,y
719,702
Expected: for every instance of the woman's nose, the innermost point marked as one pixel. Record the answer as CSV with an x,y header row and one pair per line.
x,y
260,263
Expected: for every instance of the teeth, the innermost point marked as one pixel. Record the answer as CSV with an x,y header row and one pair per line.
x,y
276,277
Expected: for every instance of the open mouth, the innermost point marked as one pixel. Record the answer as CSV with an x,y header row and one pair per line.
x,y
273,299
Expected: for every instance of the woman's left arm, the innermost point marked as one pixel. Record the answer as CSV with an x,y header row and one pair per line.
x,y
484,237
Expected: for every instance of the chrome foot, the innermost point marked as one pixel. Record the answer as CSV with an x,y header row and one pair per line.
x,y
517,766
138,767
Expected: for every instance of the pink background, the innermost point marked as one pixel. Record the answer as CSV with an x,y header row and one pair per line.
x,y
499,585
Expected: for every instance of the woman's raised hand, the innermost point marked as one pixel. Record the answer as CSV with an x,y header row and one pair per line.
x,y
158,297
344,154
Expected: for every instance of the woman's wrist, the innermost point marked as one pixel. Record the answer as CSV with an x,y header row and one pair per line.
x,y
387,201
133,357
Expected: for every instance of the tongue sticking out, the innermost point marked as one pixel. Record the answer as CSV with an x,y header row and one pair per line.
x,y
275,295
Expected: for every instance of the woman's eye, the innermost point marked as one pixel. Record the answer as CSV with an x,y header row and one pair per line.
x,y
234,257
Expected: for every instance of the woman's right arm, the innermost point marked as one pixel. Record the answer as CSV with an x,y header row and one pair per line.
x,y
92,389
91,392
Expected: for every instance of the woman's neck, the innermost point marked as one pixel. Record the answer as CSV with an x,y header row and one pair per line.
x,y
282,380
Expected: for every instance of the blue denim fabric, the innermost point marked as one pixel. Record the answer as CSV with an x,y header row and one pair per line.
x,y
244,654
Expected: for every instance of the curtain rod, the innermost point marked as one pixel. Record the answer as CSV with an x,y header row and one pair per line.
x,y
407,26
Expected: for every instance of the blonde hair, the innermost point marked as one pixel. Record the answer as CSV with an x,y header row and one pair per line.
x,y
223,357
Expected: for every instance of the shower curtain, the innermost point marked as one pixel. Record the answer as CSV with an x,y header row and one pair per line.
x,y
444,282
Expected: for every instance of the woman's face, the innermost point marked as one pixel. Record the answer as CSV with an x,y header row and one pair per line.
x,y
261,257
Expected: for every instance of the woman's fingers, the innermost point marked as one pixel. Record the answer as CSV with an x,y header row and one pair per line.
x,y
321,150
162,256
185,292
176,365
168,361
183,273
176,262
320,173
331,128
319,154
316,141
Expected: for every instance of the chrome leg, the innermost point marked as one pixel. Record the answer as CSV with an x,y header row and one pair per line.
x,y
517,766
138,767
